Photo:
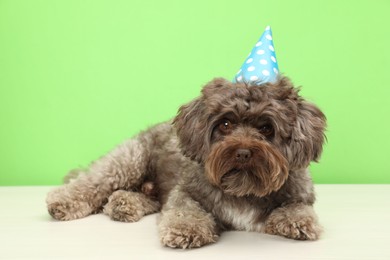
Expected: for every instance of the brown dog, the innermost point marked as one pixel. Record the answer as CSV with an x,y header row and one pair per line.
x,y
234,158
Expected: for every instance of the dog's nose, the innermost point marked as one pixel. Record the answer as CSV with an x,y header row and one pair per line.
x,y
243,155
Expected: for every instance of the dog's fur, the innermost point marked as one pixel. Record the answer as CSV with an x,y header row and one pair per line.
x,y
235,158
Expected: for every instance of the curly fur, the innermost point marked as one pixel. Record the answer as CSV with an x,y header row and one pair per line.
x,y
196,174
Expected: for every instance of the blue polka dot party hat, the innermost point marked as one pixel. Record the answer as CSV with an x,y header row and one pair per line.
x,y
261,65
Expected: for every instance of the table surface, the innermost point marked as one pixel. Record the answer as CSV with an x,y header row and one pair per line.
x,y
356,219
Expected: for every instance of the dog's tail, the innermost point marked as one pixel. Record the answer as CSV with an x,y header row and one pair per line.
x,y
74,174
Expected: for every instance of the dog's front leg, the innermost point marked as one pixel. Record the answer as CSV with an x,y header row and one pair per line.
x,y
296,221
184,223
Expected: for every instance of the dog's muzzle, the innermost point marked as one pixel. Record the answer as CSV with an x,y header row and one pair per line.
x,y
243,166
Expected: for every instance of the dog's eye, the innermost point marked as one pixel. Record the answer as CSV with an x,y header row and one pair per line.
x,y
266,130
225,126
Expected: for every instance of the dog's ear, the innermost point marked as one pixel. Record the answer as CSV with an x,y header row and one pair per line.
x,y
192,128
308,135
192,122
308,131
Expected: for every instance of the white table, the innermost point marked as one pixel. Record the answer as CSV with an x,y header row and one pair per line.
x,y
356,220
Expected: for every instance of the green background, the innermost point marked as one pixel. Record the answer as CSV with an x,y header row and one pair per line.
x,y
79,77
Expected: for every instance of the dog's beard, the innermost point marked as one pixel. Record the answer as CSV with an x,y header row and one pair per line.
x,y
263,173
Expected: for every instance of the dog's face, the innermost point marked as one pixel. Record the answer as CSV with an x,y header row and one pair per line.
x,y
250,137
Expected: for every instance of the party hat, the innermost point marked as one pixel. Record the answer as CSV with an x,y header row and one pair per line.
x,y
261,65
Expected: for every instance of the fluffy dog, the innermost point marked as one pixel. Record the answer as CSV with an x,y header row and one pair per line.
x,y
234,158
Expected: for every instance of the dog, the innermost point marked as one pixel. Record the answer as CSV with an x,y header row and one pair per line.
x,y
235,158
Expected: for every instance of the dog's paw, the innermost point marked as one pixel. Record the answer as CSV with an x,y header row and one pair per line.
x,y
68,210
187,236
187,229
62,207
121,208
295,221
304,229
129,206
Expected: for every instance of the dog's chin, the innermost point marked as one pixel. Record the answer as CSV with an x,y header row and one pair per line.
x,y
264,173
241,183
244,182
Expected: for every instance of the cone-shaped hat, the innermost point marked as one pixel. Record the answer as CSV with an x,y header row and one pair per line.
x,y
261,65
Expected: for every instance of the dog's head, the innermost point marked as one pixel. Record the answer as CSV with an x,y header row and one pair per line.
x,y
250,137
